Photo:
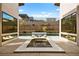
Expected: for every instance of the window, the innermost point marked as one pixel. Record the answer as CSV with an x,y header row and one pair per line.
x,y
68,24
9,23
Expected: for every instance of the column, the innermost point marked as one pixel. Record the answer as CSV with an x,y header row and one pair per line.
x,y
0,25
77,23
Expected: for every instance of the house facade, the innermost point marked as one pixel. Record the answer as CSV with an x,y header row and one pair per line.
x,y
9,17
70,11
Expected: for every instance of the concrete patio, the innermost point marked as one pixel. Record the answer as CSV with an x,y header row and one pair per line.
x,y
70,48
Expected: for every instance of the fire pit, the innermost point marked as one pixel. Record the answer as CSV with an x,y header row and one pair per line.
x,y
39,42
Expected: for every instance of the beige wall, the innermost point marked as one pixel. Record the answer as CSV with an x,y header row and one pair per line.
x,y
11,8
67,7
0,25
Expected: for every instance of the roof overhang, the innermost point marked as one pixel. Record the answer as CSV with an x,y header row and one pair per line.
x,y
70,12
21,4
57,4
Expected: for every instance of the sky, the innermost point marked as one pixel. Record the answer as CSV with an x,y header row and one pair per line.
x,y
45,10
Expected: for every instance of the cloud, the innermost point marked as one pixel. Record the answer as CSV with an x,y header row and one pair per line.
x,y
43,14
58,9
20,10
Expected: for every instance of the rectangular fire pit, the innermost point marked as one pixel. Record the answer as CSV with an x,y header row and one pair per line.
x,y
39,42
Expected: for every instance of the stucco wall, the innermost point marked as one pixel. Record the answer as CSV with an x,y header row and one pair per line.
x,y
11,8
67,7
